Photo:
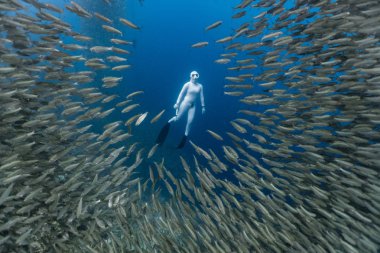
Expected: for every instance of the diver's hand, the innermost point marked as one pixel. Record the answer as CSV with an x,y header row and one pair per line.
x,y
176,106
203,110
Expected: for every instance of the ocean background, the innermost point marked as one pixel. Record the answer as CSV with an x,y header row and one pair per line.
x,y
304,176
162,59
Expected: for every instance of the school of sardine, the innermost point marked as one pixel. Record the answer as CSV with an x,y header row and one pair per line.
x,y
298,171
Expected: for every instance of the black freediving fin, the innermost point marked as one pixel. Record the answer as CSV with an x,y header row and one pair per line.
x,y
163,134
183,142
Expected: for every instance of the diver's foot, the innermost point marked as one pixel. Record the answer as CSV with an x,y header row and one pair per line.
x,y
163,134
183,142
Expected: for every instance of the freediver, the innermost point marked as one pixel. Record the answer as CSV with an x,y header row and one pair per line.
x,y
185,103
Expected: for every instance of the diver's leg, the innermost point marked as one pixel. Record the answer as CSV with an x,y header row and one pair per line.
x,y
172,119
165,129
190,117
183,107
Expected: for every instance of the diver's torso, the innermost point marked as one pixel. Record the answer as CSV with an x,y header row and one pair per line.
x,y
192,92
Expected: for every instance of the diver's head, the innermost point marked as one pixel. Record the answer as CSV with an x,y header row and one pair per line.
x,y
194,75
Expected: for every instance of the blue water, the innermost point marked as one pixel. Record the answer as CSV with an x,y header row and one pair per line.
x,y
162,59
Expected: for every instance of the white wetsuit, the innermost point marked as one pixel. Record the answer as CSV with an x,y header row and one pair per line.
x,y
190,91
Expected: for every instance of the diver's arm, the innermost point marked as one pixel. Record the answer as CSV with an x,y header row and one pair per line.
x,y
181,94
202,100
